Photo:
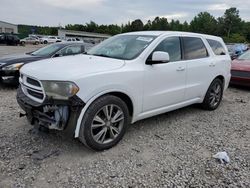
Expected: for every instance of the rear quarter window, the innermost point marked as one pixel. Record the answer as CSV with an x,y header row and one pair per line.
x,y
217,47
194,48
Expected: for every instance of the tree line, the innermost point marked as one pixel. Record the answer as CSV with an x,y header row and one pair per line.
x,y
230,26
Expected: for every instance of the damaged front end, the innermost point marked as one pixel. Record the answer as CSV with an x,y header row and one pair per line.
x,y
51,113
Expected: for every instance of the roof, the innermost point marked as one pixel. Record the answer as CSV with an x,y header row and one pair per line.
x,y
7,23
158,33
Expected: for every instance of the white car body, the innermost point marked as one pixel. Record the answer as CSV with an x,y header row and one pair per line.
x,y
50,39
153,89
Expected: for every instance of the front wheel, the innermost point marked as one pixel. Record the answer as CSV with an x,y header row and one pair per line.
x,y
104,123
214,95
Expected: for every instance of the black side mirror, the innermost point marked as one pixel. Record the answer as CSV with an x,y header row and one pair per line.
x,y
57,55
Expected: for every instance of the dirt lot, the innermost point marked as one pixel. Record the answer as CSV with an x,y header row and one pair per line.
x,y
171,150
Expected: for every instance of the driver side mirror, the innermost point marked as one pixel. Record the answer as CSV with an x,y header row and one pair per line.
x,y
158,57
57,55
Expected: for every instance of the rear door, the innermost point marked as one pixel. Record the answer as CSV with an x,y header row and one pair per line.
x,y
200,68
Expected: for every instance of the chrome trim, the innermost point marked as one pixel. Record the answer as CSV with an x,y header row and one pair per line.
x,y
26,86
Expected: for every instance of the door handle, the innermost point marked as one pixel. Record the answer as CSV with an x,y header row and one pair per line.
x,y
212,65
180,69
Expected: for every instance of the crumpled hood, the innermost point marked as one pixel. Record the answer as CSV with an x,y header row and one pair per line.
x,y
70,68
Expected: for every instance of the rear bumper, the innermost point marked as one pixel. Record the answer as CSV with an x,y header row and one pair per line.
x,y
240,77
240,81
36,114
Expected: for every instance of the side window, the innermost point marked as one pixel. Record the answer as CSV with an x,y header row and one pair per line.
x,y
71,50
217,47
194,48
172,46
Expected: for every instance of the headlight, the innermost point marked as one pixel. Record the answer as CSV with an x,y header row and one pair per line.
x,y
60,89
15,66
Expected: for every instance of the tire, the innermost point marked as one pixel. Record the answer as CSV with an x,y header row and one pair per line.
x,y
45,42
36,43
23,43
95,123
213,96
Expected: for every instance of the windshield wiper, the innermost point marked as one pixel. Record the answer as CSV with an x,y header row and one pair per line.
x,y
101,55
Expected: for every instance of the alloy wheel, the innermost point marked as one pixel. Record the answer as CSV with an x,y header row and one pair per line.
x,y
107,124
215,94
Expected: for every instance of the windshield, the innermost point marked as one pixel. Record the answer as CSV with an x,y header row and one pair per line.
x,y
47,50
245,56
125,47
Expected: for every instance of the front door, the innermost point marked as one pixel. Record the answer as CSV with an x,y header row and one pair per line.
x,y
164,84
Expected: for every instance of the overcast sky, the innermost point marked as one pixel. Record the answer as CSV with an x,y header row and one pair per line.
x,y
55,12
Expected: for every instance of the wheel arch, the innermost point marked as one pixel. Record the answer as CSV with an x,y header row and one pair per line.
x,y
222,78
121,94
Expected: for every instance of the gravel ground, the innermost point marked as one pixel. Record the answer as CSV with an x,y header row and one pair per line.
x,y
171,150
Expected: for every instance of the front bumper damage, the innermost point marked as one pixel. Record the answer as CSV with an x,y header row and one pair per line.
x,y
52,114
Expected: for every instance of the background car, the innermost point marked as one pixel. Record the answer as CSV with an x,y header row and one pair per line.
x,y
73,39
236,49
9,39
240,70
29,40
50,39
10,65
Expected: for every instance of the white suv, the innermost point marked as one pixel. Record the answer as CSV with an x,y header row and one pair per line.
x,y
124,79
50,39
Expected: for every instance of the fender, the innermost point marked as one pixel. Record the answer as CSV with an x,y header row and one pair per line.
x,y
79,120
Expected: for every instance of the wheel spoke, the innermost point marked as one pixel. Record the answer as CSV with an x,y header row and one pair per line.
x,y
114,131
212,101
217,89
99,135
104,135
211,96
112,135
117,117
108,110
100,121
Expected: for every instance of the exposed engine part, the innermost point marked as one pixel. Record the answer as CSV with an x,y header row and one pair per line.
x,y
59,113
49,108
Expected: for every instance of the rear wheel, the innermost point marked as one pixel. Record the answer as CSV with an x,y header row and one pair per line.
x,y
22,43
104,123
45,42
214,95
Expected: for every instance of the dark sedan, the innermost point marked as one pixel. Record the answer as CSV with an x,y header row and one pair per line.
x,y
241,70
10,65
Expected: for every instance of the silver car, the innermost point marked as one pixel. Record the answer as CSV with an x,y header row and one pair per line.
x,y
29,40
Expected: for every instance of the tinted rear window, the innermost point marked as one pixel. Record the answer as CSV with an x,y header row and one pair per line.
x,y
217,47
194,48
